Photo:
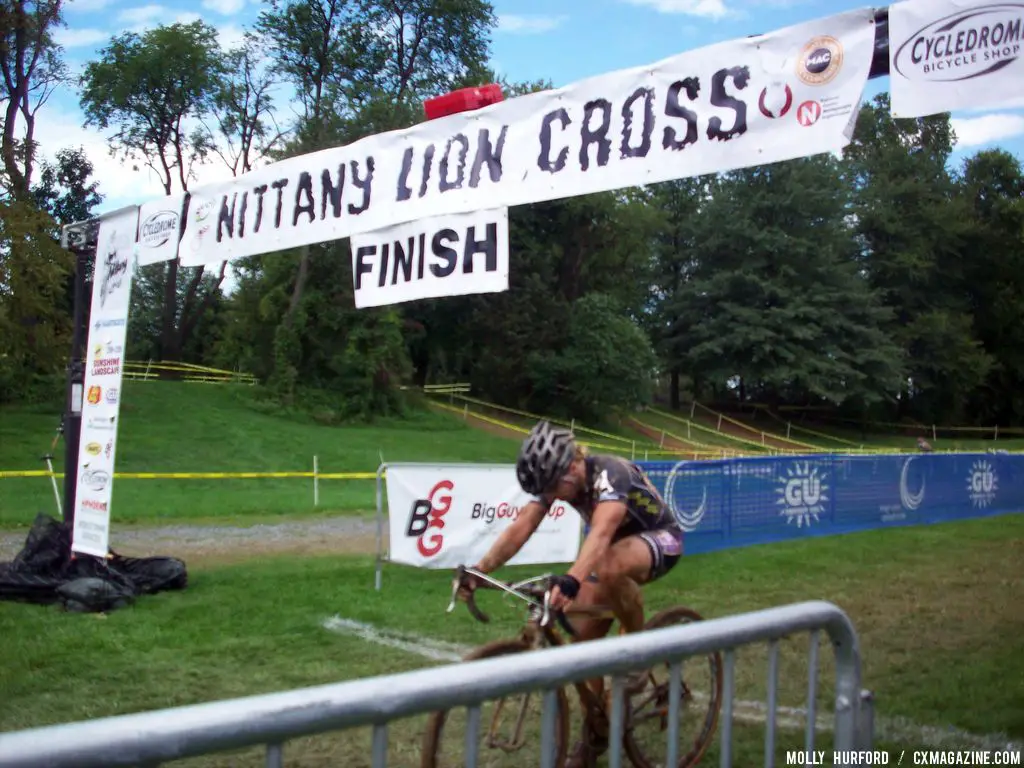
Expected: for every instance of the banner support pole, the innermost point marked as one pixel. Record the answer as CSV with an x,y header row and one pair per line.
x,y
79,239
378,575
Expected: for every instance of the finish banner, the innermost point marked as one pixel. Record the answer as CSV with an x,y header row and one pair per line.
x,y
947,55
446,515
450,255
790,93
108,326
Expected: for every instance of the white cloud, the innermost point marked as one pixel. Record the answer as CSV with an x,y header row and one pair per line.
x,y
1008,103
145,17
143,14
75,38
122,182
224,7
230,35
528,25
82,6
975,131
711,9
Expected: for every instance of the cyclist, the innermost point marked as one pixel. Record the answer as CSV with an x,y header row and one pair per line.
x,y
633,538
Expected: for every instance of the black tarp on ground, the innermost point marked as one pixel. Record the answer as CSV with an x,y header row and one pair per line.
x,y
44,572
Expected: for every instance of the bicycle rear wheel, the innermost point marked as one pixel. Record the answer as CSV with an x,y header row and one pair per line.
x,y
644,738
523,713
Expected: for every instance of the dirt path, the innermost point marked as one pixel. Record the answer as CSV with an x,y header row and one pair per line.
x,y
670,442
482,424
220,544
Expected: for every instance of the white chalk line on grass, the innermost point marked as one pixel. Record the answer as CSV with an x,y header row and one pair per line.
x,y
889,729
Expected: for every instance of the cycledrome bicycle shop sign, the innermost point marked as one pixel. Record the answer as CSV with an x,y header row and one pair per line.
x,y
954,54
442,515
790,93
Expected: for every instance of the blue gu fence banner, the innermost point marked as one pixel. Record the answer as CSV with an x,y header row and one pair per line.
x,y
736,502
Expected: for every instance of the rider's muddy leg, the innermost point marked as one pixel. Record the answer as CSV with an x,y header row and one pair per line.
x,y
626,567
588,628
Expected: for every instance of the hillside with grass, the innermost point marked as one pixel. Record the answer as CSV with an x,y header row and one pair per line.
x,y
179,427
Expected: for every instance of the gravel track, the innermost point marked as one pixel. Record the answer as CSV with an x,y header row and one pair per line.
x,y
227,543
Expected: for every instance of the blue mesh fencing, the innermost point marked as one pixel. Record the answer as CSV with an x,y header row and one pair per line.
x,y
735,502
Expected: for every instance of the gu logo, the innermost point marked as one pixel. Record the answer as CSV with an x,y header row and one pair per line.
x,y
982,484
802,494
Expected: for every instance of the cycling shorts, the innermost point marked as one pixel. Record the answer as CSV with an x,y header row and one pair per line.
x,y
666,545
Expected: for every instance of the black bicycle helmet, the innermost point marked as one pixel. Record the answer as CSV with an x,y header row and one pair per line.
x,y
546,454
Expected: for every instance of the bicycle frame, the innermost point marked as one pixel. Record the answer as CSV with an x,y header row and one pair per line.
x,y
537,631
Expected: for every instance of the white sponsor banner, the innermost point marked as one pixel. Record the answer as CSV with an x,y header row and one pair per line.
x,y
159,228
946,55
446,515
786,94
450,255
108,325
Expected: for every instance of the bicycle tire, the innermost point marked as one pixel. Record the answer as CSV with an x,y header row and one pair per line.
x,y
696,754
435,724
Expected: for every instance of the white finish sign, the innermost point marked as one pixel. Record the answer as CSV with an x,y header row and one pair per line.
x,y
449,255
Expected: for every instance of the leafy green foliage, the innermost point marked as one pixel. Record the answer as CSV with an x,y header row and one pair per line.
x,y
772,294
34,322
149,88
605,363
31,68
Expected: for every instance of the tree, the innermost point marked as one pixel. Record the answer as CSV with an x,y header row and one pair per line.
x,y
606,363
675,256
776,299
34,317
244,109
67,189
992,185
31,66
308,41
912,230
155,88
357,67
418,48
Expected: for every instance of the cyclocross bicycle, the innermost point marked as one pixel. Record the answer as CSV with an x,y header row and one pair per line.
x,y
644,709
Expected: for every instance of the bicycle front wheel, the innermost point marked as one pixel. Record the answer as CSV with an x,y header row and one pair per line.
x,y
508,730
645,736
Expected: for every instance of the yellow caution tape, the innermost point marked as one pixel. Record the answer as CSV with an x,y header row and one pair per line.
x,y
763,433
202,475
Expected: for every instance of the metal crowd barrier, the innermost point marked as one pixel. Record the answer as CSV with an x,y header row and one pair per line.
x,y
153,738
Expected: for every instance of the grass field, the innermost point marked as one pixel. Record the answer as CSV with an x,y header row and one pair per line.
x,y
937,610
179,427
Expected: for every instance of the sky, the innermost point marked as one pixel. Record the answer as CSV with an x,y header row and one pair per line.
x,y
557,40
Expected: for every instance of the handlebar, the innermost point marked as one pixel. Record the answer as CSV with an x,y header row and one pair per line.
x,y
536,592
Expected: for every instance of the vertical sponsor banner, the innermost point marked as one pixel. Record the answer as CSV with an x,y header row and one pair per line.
x,y
159,230
450,255
108,321
946,55
443,516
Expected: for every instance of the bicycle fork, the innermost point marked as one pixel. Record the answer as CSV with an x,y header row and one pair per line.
x,y
497,742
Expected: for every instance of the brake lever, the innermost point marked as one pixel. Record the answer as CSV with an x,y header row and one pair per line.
x,y
456,583
470,598
562,620
546,615
455,594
